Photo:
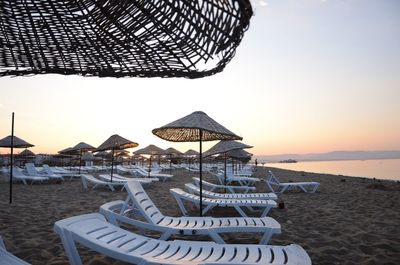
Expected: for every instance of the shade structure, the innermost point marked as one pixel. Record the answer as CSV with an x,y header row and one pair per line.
x,y
12,142
191,152
240,155
79,149
171,151
116,142
223,147
195,127
87,156
150,150
68,151
26,153
177,38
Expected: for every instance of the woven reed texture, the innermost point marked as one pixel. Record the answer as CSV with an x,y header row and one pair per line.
x,y
17,143
150,150
225,146
116,142
82,147
120,38
187,129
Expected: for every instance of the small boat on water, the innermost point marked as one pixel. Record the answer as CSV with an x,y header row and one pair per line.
x,y
288,161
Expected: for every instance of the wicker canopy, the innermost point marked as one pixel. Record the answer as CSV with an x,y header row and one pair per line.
x,y
172,151
191,152
170,38
225,146
26,153
116,142
150,150
239,153
187,129
67,151
18,142
82,147
88,156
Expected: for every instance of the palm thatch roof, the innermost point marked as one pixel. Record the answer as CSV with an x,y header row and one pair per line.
x,y
116,142
177,38
225,146
82,147
26,153
194,127
172,151
191,152
17,142
150,150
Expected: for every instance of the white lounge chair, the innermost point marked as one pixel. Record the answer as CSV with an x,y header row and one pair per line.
x,y
54,171
246,196
142,173
95,182
31,169
20,176
6,258
210,203
123,180
243,181
232,189
138,204
95,233
273,181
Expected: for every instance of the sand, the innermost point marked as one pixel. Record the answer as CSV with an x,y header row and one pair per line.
x,y
348,221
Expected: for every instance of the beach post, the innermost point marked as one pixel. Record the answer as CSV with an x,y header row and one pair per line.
x,y
11,155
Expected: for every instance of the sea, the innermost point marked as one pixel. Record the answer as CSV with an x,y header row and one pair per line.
x,y
379,169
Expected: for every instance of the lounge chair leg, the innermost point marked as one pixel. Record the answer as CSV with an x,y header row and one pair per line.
x,y
240,211
266,237
216,237
265,212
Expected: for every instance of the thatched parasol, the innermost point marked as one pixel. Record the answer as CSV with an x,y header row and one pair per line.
x,y
26,153
223,147
195,127
150,150
79,149
121,38
13,141
172,151
116,142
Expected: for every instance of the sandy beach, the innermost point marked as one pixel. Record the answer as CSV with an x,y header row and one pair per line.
x,y
348,221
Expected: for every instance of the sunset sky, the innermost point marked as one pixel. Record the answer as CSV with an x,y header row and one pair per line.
x,y
309,76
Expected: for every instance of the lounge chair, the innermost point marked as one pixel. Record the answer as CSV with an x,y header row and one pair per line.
x,y
95,182
232,189
95,233
123,180
6,258
53,171
31,169
138,204
20,176
210,203
243,181
142,173
248,196
273,181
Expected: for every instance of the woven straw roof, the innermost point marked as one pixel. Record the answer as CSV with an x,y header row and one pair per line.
x,y
18,142
88,157
116,142
150,38
187,129
225,146
191,152
150,150
68,151
26,153
82,147
238,153
172,151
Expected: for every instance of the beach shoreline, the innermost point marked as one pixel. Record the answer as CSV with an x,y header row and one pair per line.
x,y
350,220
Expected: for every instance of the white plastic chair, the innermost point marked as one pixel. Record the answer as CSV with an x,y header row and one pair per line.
x,y
273,181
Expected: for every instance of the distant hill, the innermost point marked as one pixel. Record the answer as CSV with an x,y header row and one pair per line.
x,y
335,155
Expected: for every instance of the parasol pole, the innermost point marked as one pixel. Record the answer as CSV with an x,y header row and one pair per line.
x,y
149,166
112,162
11,156
201,174
170,158
80,161
225,172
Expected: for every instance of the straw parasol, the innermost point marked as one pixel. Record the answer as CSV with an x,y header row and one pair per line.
x,y
172,151
190,153
223,147
116,142
239,154
79,149
150,150
195,127
13,141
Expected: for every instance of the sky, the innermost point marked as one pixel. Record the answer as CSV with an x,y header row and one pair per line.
x,y
310,76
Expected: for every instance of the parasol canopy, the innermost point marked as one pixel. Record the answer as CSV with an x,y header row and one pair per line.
x,y
177,38
18,142
191,152
116,142
79,149
195,127
225,146
150,150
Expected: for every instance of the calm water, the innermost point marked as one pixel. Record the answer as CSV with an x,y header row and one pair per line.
x,y
380,169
